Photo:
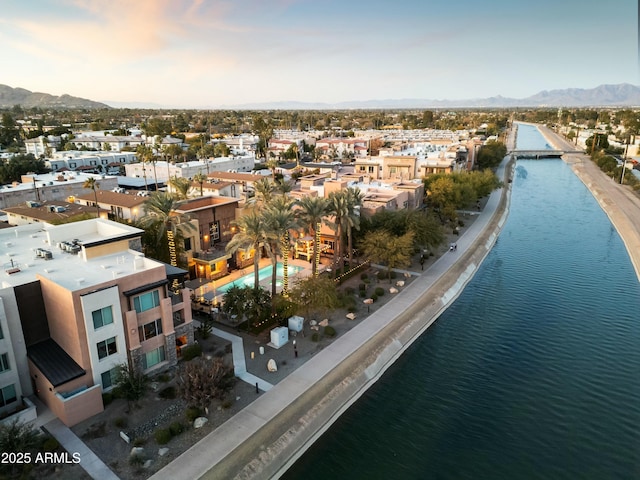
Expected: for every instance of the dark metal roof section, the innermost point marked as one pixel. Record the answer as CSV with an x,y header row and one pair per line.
x,y
54,363
144,288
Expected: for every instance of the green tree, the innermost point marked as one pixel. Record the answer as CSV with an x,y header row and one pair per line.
x,y
18,437
339,210
144,154
312,214
280,218
131,384
352,220
315,295
181,187
252,234
200,178
162,225
221,150
387,249
491,154
92,184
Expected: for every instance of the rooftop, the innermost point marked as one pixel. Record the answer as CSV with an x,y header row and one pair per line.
x,y
59,253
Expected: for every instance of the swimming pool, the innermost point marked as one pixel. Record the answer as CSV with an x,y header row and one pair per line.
x,y
263,274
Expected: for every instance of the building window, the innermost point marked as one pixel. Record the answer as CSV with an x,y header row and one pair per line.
x,y
153,358
187,244
214,231
72,165
1,334
393,170
150,330
93,163
102,317
107,347
371,169
104,162
4,362
147,301
7,395
109,378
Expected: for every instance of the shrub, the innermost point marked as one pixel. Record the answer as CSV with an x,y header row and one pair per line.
x,y
227,404
393,274
192,413
379,291
364,276
120,422
191,352
363,293
50,445
168,393
162,436
176,428
455,231
139,441
460,223
374,297
352,309
315,337
329,331
362,286
136,460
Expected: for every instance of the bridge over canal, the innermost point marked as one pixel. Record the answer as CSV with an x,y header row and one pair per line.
x,y
543,153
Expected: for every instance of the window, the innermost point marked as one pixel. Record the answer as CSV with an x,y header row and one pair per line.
x,y
152,358
214,231
371,169
107,347
102,317
150,330
4,363
72,164
1,334
104,162
93,163
147,301
109,378
7,395
187,244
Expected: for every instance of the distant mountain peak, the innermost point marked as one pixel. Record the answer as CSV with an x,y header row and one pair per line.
x,y
10,97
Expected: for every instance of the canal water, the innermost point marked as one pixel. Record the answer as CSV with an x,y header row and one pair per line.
x,y
534,371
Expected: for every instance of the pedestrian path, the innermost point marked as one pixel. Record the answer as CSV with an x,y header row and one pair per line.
x,y
89,461
239,361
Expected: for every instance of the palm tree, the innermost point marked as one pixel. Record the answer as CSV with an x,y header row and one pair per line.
x,y
144,153
93,184
200,178
263,192
272,164
280,218
312,213
339,208
283,187
161,223
352,219
251,234
181,187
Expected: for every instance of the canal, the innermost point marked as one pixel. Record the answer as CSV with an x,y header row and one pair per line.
x,y
534,371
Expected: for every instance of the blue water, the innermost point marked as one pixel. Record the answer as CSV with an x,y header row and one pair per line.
x,y
263,274
533,373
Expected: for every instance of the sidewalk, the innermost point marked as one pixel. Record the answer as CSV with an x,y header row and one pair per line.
x,y
241,430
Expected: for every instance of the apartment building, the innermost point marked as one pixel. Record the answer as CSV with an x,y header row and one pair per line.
x,y
78,300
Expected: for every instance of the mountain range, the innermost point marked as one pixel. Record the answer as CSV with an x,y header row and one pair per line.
x,y
620,95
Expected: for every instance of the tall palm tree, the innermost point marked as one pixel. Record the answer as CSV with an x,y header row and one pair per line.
x,y
200,178
272,164
161,222
263,193
144,154
280,218
352,219
93,184
252,233
180,187
339,209
312,212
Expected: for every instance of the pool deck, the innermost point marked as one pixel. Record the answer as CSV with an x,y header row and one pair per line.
x,y
203,286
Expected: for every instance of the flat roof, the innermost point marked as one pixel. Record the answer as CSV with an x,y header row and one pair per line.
x,y
24,256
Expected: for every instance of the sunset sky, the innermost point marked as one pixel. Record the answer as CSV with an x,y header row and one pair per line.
x,y
211,53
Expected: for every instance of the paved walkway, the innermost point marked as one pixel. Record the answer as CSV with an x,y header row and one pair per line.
x,y
89,461
211,450
239,360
